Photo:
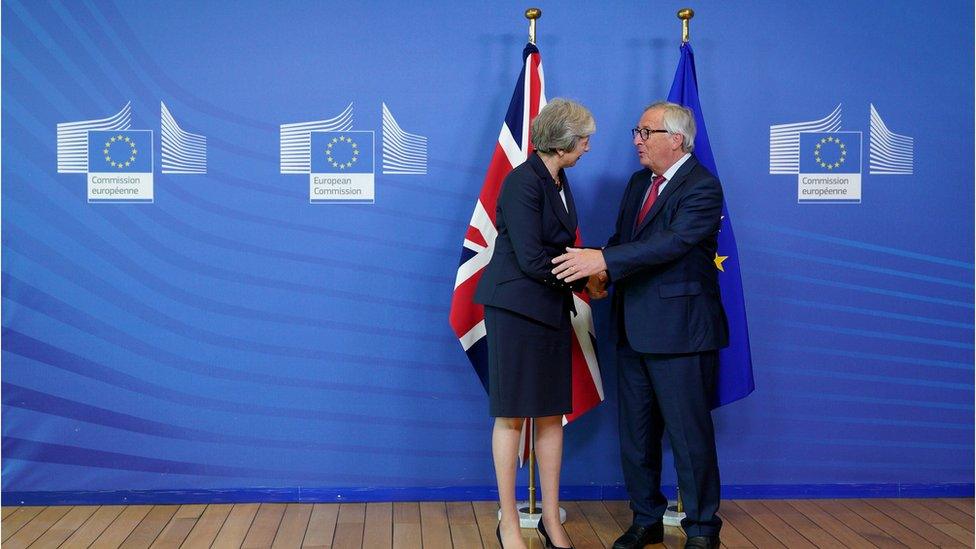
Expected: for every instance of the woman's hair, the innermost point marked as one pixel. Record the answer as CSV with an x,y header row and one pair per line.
x,y
560,125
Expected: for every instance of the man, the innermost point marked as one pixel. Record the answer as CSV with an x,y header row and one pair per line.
x,y
668,324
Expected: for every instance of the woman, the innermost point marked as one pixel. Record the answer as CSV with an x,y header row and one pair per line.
x,y
527,313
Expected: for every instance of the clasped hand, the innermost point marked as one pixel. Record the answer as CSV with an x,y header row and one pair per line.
x,y
579,263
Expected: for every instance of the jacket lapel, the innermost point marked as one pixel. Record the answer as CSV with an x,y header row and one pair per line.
x,y
672,187
568,219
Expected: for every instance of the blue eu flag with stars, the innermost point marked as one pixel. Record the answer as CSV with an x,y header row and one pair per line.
x,y
342,152
830,152
735,379
120,151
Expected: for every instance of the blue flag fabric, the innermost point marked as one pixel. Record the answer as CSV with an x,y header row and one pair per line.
x,y
735,379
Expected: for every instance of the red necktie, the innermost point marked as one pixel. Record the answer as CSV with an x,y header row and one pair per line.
x,y
649,201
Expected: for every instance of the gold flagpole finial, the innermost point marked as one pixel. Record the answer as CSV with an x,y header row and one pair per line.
x,y
685,14
532,14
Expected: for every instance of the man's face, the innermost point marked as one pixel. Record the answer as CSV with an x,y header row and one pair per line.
x,y
658,151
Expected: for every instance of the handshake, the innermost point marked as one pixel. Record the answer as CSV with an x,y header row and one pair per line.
x,y
596,286
579,263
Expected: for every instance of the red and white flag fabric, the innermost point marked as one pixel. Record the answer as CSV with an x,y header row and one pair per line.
x,y
467,317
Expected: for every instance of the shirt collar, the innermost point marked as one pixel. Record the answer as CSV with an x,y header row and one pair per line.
x,y
669,173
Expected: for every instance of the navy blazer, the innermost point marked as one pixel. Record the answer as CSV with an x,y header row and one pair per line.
x,y
533,227
665,280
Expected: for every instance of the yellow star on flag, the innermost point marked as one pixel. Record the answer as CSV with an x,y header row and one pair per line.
x,y
718,261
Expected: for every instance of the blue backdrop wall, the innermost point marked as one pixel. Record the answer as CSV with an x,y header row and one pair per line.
x,y
231,339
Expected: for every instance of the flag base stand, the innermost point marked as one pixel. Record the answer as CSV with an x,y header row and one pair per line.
x,y
531,520
672,517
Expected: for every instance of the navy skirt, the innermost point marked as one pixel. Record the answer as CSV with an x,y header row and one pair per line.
x,y
530,365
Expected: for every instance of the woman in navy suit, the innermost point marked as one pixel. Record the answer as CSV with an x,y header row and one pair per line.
x,y
527,312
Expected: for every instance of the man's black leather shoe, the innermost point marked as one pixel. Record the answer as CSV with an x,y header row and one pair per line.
x,y
638,536
702,542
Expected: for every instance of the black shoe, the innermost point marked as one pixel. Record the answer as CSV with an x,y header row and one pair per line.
x,y
545,536
703,542
498,532
638,536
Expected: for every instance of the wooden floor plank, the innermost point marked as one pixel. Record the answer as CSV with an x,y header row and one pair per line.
x,y
204,532
294,523
265,526
601,521
752,530
69,523
837,529
960,534
15,521
378,531
950,512
911,522
321,526
965,505
406,525
810,530
731,536
93,527
36,527
234,529
774,524
192,511
767,523
884,523
121,527
433,524
350,525
578,528
464,525
174,533
486,513
149,528
865,528
4,511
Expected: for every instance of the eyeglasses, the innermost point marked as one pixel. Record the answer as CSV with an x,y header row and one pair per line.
x,y
645,133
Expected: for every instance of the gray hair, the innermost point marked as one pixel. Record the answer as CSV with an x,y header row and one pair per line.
x,y
560,125
678,119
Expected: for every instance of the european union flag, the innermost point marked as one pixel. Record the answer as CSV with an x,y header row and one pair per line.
x,y
120,151
342,152
830,152
735,379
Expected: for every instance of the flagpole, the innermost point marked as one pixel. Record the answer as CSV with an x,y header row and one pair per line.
x,y
676,512
685,14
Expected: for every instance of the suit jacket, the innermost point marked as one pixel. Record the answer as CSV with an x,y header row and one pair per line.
x,y
666,291
533,227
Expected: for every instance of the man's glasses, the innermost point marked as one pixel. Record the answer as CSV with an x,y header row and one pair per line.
x,y
645,133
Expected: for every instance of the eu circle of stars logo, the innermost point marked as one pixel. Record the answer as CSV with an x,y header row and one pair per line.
x,y
120,146
342,152
833,149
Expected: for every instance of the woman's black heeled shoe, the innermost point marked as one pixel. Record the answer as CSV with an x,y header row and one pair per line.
x,y
498,532
545,536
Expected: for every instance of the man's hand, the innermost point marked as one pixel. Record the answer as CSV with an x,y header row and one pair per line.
x,y
578,263
596,286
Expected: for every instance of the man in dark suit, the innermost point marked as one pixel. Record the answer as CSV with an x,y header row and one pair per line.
x,y
668,323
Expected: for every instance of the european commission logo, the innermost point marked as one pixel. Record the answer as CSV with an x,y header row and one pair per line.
x,y
340,161
120,166
827,161
119,161
342,167
830,167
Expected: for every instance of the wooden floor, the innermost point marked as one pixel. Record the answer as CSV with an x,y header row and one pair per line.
x,y
748,523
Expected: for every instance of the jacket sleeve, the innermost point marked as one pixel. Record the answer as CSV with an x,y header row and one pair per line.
x,y
522,202
698,216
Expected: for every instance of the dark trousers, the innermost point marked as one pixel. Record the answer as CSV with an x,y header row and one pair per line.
x,y
661,393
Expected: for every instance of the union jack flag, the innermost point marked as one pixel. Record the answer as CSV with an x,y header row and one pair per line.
x,y
467,317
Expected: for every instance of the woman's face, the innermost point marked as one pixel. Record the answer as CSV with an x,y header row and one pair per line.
x,y
569,158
